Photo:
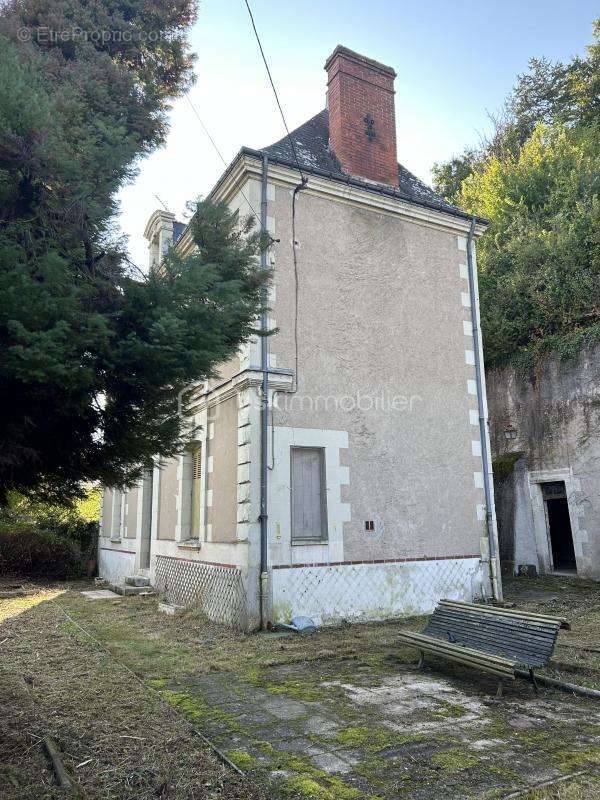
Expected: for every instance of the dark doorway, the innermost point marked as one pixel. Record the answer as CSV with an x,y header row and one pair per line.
x,y
559,526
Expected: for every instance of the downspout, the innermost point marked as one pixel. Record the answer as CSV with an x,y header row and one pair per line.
x,y
264,418
483,431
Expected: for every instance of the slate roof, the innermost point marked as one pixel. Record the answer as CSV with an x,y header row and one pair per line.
x,y
178,229
311,141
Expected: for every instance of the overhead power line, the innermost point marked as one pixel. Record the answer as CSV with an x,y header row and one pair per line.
x,y
262,52
218,152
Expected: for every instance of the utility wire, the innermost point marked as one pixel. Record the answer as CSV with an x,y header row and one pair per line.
x,y
214,144
298,188
262,52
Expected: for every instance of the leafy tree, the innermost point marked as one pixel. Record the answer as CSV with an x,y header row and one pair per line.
x,y
540,259
549,93
448,176
537,180
93,354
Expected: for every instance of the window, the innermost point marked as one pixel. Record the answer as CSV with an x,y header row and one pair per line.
x,y
117,515
196,480
309,507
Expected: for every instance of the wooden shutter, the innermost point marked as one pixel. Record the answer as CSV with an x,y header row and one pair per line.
x,y
196,485
309,512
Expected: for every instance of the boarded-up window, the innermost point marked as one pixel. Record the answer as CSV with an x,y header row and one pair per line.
x,y
196,483
309,510
117,512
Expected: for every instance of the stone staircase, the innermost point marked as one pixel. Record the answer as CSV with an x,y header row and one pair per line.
x,y
132,585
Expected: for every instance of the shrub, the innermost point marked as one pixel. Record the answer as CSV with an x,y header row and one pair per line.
x,y
26,550
77,524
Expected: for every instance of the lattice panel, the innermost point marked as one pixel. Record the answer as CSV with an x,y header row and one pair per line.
x,y
374,591
217,591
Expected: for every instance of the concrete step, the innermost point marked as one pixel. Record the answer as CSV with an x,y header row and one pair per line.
x,y
137,580
127,591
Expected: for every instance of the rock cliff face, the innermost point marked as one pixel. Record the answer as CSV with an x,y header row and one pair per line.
x,y
544,429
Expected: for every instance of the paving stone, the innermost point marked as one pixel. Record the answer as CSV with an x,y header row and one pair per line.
x,y
254,716
283,708
101,594
351,755
320,725
283,731
297,745
485,744
332,763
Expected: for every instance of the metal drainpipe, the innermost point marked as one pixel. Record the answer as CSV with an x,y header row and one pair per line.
x,y
483,433
264,421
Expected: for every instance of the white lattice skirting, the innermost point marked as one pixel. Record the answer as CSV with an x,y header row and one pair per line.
x,y
216,590
371,591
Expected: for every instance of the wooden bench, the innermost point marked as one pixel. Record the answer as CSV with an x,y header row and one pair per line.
x,y
497,640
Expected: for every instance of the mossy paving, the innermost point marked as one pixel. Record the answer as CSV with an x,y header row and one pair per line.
x,y
343,714
309,738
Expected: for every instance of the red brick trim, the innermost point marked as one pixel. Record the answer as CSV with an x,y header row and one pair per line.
x,y
198,561
372,561
114,550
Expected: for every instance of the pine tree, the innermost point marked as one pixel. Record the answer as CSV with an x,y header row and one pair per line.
x,y
93,355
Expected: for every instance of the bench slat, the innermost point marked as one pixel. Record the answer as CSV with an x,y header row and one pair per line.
x,y
493,635
509,612
534,626
467,652
491,629
525,657
459,658
462,655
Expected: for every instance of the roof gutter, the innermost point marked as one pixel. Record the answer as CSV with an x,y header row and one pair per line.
x,y
492,534
348,180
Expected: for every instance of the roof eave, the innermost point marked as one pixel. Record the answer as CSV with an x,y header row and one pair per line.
x,y
349,180
346,179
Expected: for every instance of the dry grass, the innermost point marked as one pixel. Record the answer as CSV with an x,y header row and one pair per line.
x,y
577,655
118,739
582,787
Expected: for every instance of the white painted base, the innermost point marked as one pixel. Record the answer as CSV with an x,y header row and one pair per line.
x,y
330,594
114,565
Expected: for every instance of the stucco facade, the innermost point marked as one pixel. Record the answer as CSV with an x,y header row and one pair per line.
x,y
373,367
544,431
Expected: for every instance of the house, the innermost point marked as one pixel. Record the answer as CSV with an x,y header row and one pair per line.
x,y
544,434
341,468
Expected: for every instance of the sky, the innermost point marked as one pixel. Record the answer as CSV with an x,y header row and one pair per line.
x,y
456,60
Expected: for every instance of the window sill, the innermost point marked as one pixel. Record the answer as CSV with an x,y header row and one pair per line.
x,y
189,544
305,542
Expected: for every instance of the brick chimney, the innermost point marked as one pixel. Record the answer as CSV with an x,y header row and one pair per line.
x,y
362,123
